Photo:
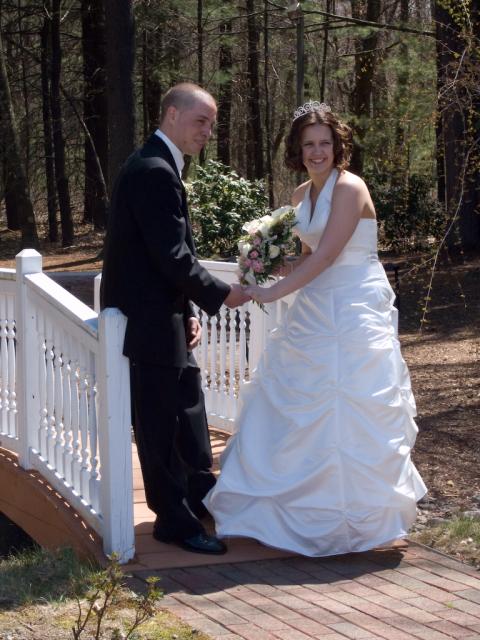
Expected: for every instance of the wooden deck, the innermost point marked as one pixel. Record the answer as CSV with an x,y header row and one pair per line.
x,y
152,555
29,501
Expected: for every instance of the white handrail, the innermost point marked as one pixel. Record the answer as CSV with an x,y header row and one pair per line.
x,y
64,393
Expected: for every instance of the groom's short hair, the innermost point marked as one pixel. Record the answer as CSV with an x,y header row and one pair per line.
x,y
182,96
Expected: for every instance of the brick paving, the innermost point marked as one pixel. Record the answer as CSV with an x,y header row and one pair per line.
x,y
410,594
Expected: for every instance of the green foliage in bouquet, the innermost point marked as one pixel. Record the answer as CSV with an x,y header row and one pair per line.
x,y
220,202
410,215
266,243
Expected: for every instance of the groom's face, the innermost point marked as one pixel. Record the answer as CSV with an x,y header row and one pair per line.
x,y
192,126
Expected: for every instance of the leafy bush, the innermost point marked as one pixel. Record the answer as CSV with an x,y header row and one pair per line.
x,y
410,215
220,203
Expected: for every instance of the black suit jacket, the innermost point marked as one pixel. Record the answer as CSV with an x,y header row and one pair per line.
x,y
150,271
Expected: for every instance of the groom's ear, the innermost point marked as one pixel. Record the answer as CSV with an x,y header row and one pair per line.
x,y
172,114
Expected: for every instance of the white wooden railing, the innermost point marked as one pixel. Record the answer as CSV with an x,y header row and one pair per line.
x,y
65,395
64,392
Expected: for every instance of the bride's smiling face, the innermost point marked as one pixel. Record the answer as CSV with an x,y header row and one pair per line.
x,y
317,149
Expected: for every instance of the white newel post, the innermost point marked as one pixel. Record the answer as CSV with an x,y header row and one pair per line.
x,y
115,441
258,330
96,292
28,410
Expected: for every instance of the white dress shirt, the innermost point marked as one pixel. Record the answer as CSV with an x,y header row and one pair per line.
x,y
174,150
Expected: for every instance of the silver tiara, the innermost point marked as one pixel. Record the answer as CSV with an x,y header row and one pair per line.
x,y
309,107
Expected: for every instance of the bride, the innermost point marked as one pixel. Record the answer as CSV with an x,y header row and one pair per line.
x,y
320,460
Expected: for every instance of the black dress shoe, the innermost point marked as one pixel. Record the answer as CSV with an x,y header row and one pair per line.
x,y
198,543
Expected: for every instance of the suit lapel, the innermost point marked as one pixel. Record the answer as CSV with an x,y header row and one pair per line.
x,y
164,152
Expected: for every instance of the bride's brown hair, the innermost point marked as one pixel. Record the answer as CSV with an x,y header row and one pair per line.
x,y
342,139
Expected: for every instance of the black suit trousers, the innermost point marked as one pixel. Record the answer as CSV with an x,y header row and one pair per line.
x,y
171,432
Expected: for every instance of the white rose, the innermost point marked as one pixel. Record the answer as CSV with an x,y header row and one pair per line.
x,y
265,226
280,212
251,227
273,251
244,248
250,277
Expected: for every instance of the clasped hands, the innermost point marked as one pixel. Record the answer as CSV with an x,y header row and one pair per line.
x,y
239,294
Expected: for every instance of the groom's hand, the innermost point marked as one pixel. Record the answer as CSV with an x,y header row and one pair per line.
x,y
194,333
236,297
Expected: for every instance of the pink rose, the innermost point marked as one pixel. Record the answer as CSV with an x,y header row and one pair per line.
x,y
254,254
257,266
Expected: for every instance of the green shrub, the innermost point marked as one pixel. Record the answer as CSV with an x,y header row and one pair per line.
x,y
410,215
220,203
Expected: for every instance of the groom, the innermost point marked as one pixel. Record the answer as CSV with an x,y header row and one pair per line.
x,y
151,274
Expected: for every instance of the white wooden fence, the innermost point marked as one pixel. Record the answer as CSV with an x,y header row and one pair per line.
x,y
64,388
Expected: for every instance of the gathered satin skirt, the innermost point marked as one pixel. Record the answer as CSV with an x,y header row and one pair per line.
x,y
319,463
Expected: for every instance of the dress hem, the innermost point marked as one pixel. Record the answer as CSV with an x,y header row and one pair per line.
x,y
362,548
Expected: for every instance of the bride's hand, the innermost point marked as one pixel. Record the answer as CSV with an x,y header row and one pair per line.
x,y
262,295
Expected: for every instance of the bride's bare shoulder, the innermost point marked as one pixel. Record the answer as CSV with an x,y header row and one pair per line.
x,y
299,193
351,181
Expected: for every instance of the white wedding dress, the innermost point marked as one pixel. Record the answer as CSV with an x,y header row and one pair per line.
x,y
320,460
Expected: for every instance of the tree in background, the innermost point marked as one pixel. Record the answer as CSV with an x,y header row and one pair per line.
x,y
120,32
95,111
458,124
61,175
17,177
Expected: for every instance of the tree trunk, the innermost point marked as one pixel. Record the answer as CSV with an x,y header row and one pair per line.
x,y
18,184
152,63
200,59
26,129
364,75
11,207
325,53
225,61
57,124
120,66
95,111
268,128
254,128
458,123
47,129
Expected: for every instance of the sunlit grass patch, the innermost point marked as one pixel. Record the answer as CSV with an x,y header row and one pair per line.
x,y
37,574
44,592
458,537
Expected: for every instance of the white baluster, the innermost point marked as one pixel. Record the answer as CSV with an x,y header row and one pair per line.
x,y
12,409
50,404
223,361
67,410
232,343
84,452
42,389
4,363
213,364
242,345
204,360
93,436
58,400
75,406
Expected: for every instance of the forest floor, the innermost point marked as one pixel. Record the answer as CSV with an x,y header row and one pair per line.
x,y
443,355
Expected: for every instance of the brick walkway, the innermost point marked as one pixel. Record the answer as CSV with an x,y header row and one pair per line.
x,y
394,595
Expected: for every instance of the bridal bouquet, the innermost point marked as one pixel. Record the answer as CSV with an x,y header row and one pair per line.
x,y
265,245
